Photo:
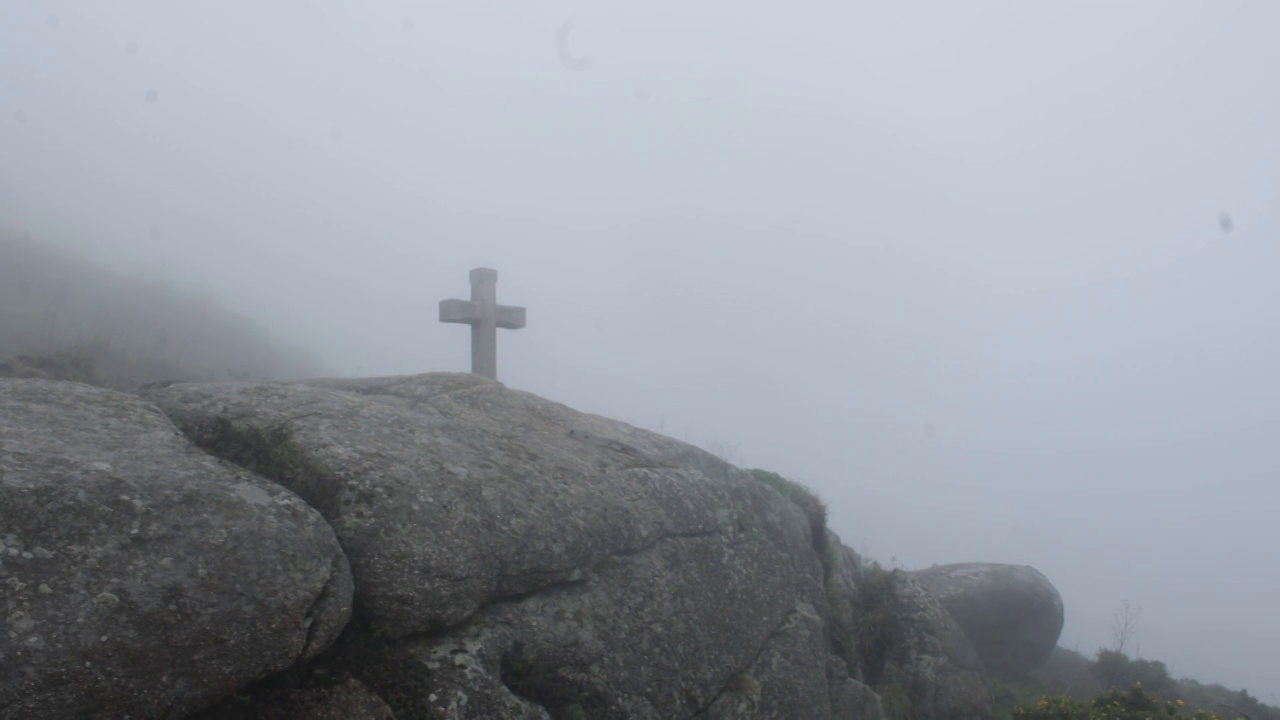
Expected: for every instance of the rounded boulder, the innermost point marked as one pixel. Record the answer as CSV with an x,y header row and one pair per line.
x,y
1011,614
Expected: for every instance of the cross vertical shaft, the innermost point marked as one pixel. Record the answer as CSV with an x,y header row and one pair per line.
x,y
484,331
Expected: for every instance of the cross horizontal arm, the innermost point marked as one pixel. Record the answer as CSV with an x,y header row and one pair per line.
x,y
510,317
459,311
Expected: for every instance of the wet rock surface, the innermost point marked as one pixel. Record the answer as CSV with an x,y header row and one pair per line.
x,y
140,577
1011,614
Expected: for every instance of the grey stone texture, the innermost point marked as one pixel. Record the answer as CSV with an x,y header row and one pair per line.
x,y
1011,614
140,577
435,546
483,313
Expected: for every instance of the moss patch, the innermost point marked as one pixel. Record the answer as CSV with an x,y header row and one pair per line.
x,y
803,498
267,450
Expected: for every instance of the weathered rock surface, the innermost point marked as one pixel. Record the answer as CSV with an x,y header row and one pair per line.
x,y
896,637
767,689
451,491
515,558
139,577
1011,614
663,633
511,558
929,671
320,698
851,698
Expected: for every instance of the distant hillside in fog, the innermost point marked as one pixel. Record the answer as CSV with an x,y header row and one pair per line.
x,y
130,330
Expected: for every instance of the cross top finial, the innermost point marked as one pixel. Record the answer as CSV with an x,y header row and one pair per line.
x,y
485,316
483,275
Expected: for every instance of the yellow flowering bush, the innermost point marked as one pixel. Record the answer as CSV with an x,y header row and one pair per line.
x,y
1132,704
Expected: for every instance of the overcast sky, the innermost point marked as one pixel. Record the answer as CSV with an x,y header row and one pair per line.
x,y
997,279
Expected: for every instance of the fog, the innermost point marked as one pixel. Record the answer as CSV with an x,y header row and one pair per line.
x,y
996,279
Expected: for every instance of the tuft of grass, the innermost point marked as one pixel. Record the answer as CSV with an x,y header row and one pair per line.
x,y
267,450
802,497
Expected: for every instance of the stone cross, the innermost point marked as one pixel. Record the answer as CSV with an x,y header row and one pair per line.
x,y
485,316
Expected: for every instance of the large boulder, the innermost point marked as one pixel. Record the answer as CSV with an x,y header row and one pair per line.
x,y
511,558
517,559
140,577
1011,614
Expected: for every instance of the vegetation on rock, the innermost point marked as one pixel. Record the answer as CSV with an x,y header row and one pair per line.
x,y
878,629
865,629
1135,703
802,497
268,450
1113,686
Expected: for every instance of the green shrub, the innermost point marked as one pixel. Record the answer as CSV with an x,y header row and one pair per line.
x,y
1007,694
1071,674
1115,669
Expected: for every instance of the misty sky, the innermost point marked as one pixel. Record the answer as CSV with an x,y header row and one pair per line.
x,y
998,279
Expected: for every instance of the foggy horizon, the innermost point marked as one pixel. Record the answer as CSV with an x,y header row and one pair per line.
x,y
995,279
